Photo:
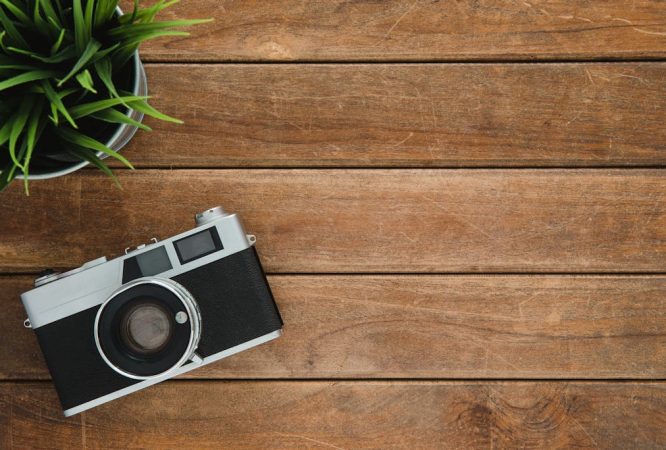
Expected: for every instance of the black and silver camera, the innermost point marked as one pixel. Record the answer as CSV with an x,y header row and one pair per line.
x,y
110,328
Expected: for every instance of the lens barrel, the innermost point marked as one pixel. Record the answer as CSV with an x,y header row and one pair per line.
x,y
148,328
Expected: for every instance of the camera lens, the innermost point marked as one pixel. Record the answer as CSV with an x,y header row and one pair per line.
x,y
146,327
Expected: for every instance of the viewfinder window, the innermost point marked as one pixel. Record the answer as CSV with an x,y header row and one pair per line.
x,y
198,245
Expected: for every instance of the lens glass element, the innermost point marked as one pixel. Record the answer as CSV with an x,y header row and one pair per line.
x,y
138,330
146,328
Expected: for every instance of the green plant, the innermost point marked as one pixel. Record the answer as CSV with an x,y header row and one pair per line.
x,y
60,62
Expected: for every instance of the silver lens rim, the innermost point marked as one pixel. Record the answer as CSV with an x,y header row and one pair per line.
x,y
191,308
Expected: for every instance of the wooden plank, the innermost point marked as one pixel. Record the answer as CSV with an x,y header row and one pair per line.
x,y
354,221
345,415
339,30
406,115
429,327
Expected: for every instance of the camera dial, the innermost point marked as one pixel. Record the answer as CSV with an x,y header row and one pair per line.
x,y
46,276
49,275
148,328
209,215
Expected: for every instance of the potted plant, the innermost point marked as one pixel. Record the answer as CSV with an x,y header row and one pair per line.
x,y
72,87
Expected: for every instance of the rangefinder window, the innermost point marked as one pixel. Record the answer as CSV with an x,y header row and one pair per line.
x,y
198,245
153,262
146,264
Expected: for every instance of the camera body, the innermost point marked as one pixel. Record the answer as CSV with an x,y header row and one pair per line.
x,y
113,327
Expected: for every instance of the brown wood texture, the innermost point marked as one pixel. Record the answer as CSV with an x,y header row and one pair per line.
x,y
412,115
345,415
429,327
402,30
356,221
461,206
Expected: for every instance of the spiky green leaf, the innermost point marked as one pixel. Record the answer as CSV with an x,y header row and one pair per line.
x,y
104,11
143,107
91,157
88,53
19,13
86,109
86,81
33,129
56,102
114,116
81,32
87,142
104,71
147,15
4,132
134,30
40,24
58,42
50,12
18,124
26,77
63,55
125,52
11,30
88,17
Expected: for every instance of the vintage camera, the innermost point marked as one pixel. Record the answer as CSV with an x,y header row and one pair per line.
x,y
110,328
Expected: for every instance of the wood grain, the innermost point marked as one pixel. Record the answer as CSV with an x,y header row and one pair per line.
x,y
390,340
429,327
340,30
345,415
357,220
406,115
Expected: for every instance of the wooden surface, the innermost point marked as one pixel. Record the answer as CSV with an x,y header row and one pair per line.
x,y
345,414
313,221
397,30
384,326
407,115
461,207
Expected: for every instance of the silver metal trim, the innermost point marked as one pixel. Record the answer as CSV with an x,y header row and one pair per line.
x,y
192,311
144,384
66,295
